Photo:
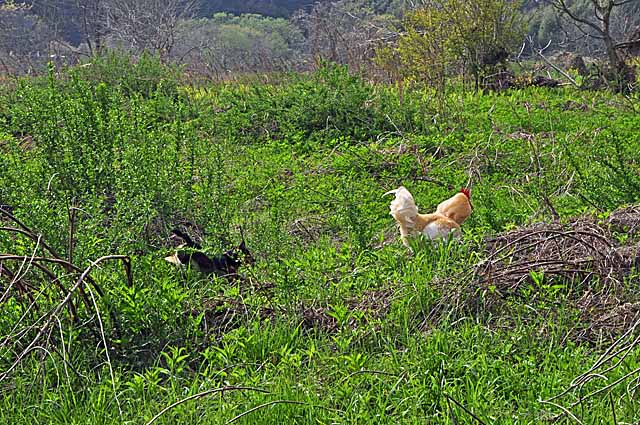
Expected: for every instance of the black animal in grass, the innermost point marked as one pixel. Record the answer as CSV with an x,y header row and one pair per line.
x,y
224,265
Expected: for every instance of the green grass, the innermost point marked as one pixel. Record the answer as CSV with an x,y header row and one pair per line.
x,y
336,314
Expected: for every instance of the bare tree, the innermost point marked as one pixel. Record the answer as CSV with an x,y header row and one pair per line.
x,y
24,39
147,25
75,23
91,17
345,32
599,25
139,25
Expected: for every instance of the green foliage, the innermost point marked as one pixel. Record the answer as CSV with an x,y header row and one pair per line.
x,y
242,43
331,102
145,75
335,315
611,164
455,37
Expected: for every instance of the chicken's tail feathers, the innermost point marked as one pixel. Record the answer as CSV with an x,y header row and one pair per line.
x,y
403,208
403,203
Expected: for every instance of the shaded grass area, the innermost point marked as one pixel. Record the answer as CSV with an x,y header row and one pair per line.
x,y
335,315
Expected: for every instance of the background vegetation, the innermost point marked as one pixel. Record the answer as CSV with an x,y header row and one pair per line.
x,y
336,321
287,35
283,124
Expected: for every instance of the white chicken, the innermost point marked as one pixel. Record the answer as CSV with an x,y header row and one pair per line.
x,y
444,223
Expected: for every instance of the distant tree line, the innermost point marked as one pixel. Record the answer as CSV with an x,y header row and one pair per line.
x,y
421,39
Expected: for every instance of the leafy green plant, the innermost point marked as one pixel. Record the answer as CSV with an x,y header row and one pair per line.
x,y
145,75
336,320
447,38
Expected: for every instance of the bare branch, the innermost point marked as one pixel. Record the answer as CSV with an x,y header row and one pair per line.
x,y
51,316
562,6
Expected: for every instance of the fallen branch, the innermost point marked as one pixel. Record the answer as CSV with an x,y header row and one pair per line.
x,y
51,316
548,62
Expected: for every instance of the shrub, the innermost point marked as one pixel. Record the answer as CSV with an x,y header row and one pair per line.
x,y
145,75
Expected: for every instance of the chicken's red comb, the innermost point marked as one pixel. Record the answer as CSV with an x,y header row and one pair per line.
x,y
466,191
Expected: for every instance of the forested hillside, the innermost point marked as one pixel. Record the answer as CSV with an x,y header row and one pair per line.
x,y
279,35
274,8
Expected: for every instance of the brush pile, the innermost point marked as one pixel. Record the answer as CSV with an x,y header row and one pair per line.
x,y
626,220
42,292
584,260
580,251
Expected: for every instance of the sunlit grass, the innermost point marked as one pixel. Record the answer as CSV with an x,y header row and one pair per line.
x,y
334,322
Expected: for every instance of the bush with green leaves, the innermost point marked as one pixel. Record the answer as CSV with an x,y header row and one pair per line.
x,y
444,39
145,75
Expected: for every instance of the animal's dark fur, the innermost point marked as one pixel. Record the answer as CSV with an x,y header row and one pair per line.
x,y
224,265
186,238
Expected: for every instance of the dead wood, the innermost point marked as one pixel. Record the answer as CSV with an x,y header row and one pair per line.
x,y
40,282
584,261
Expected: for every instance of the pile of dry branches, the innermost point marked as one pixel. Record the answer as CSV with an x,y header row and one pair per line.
x,y
585,260
590,264
626,220
45,292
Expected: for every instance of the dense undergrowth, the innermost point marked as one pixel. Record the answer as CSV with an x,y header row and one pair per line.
x,y
333,323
